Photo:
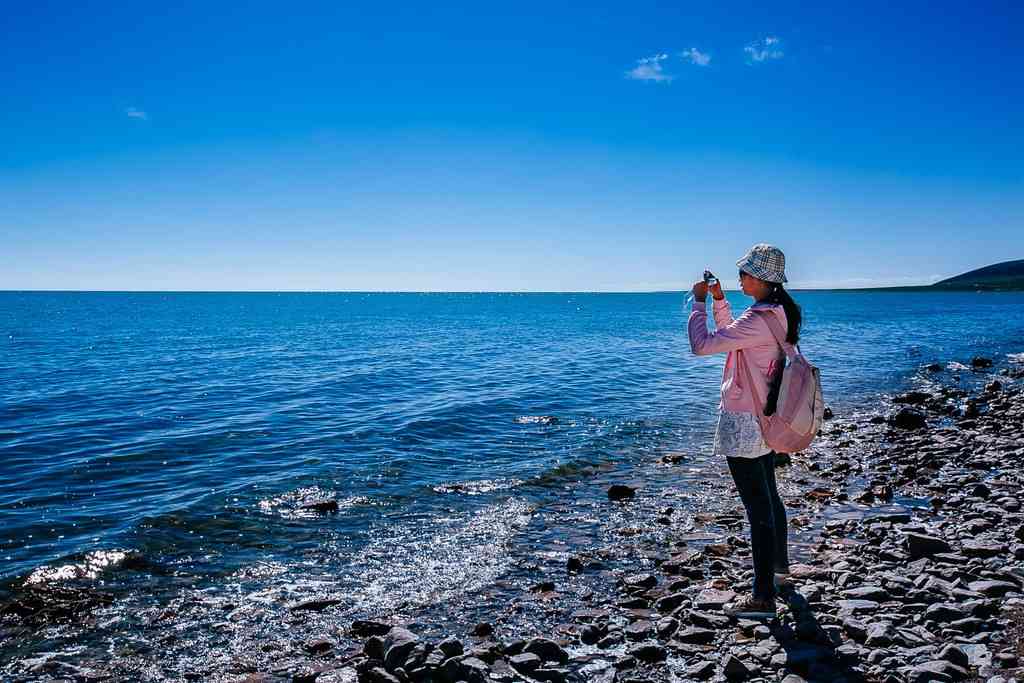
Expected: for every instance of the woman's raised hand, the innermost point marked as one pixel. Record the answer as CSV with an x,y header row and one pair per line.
x,y
716,291
700,290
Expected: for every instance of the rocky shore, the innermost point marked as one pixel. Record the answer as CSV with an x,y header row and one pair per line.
x,y
906,525
916,574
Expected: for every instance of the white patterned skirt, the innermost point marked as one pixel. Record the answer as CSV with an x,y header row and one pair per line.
x,y
739,436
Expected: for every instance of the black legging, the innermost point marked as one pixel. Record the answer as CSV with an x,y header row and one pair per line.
x,y
755,481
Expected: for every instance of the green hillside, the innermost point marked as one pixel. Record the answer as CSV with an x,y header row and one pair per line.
x,y
1005,275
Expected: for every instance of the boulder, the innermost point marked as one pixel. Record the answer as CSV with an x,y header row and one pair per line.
x,y
922,545
546,649
621,492
398,643
908,418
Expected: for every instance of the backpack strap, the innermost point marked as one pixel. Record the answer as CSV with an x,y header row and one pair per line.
x,y
758,403
780,334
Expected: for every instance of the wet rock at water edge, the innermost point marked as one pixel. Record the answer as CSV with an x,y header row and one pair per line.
x,y
649,652
908,418
398,643
546,649
322,506
620,492
483,629
365,628
981,362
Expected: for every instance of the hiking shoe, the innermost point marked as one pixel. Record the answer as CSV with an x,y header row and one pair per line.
x,y
750,608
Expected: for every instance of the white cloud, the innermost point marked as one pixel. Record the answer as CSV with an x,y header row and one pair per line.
x,y
763,50
133,113
695,56
650,69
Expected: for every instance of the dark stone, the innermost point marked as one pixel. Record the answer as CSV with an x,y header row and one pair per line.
x,y
543,587
921,545
398,643
377,675
620,492
451,647
695,635
365,629
648,652
993,589
913,398
827,414
546,649
318,646
979,362
982,549
314,605
951,653
373,648
646,581
933,367
670,602
944,612
482,630
321,506
574,564
640,630
551,674
712,599
700,670
526,662
734,669
908,418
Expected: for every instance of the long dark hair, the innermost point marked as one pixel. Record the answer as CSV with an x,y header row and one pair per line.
x,y
794,318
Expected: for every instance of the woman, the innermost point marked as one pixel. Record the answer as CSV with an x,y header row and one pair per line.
x,y
738,436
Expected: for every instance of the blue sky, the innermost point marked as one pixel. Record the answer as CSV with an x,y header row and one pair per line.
x,y
459,146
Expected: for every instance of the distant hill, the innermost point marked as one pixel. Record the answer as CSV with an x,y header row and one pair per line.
x,y
1005,275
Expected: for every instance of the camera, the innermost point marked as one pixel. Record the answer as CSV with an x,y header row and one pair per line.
x,y
709,278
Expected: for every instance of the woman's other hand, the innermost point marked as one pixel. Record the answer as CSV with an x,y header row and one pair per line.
x,y
716,291
700,290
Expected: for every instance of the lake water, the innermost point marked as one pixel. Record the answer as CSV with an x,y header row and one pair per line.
x,y
187,429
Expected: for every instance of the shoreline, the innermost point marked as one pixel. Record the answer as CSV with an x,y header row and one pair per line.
x,y
916,573
644,606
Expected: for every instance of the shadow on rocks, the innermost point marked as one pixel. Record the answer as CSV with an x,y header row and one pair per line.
x,y
811,653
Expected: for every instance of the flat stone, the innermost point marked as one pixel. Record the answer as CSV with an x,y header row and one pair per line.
x,y
640,630
734,669
922,545
875,593
648,652
713,599
944,612
621,492
525,662
546,649
857,606
982,549
695,635
993,589
700,670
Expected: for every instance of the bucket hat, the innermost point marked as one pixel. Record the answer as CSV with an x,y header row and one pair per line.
x,y
765,262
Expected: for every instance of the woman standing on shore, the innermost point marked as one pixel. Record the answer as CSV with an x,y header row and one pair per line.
x,y
750,345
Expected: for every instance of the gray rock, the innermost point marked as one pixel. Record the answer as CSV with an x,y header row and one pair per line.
x,y
648,652
640,630
951,653
546,649
695,635
526,662
451,647
712,599
983,549
734,669
621,492
876,593
944,612
398,643
700,670
856,606
993,589
378,675
880,634
908,418
922,545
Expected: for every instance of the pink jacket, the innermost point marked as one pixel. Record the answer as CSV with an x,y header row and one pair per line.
x,y
750,333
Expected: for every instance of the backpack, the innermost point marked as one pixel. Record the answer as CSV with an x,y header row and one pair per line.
x,y
799,408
